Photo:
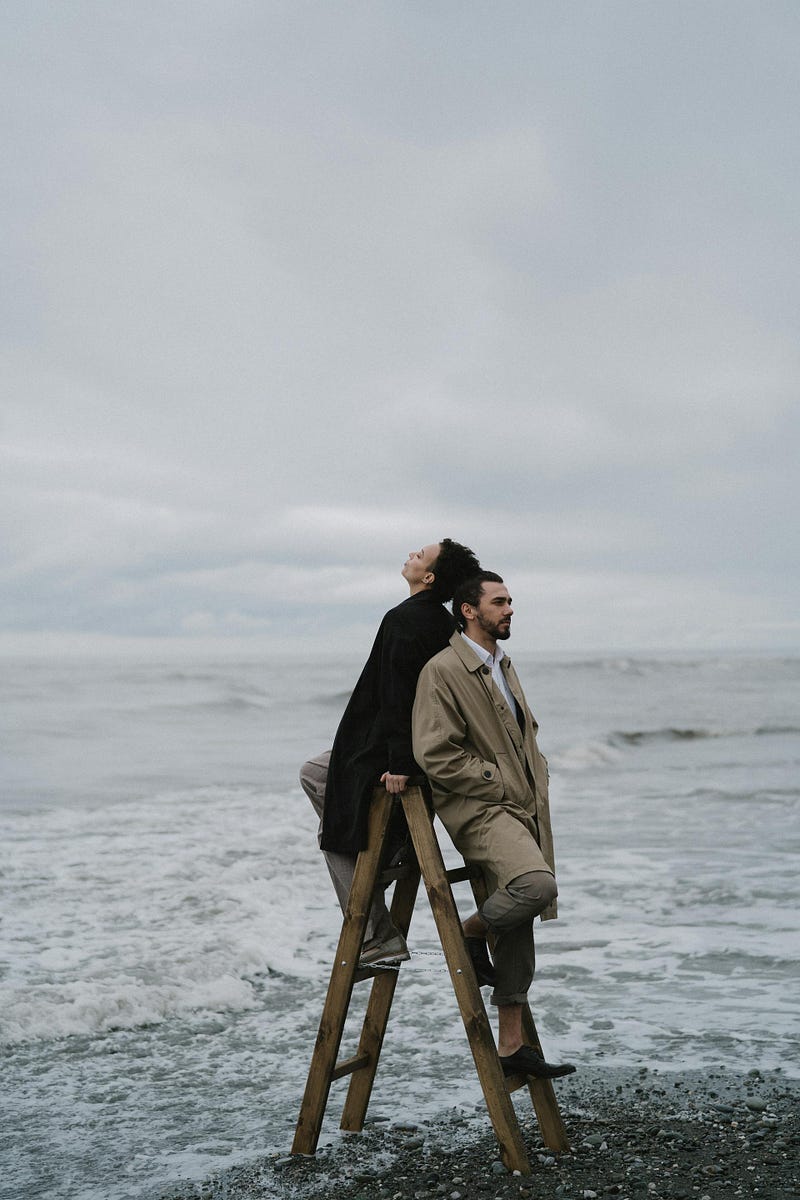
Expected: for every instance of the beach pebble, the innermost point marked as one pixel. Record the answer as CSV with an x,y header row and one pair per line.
x,y
594,1139
413,1143
756,1104
497,1166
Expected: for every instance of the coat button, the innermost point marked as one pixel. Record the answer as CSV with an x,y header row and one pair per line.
x,y
486,670
487,774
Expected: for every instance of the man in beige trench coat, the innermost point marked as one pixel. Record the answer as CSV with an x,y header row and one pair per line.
x,y
475,738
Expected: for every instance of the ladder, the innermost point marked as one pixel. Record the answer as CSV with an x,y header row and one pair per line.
x,y
362,1066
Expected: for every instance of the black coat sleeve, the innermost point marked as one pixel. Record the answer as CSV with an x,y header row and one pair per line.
x,y
404,655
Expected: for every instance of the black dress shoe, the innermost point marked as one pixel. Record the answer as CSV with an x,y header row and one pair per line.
x,y
526,1061
484,971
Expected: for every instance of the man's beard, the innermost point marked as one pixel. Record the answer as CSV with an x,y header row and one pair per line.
x,y
500,631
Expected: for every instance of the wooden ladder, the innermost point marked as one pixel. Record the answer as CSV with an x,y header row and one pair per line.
x,y
346,973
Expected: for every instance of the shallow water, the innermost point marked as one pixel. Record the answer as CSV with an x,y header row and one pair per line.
x,y
169,926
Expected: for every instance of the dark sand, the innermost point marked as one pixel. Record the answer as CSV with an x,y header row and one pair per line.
x,y
634,1134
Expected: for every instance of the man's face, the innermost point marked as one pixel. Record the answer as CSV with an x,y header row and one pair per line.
x,y
419,563
494,611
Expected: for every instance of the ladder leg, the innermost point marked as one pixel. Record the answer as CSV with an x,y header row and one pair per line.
x,y
543,1096
377,1015
340,988
470,1002
542,1092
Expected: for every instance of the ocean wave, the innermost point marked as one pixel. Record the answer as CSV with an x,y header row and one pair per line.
x,y
598,752
90,1007
639,737
222,705
334,700
609,750
672,733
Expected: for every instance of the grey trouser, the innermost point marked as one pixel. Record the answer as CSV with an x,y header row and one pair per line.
x,y
313,777
509,913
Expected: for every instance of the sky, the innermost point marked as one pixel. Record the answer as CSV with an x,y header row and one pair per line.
x,y
291,289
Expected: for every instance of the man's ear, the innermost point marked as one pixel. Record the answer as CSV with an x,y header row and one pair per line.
x,y
467,611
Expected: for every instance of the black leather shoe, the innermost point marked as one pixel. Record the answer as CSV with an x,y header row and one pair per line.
x,y
484,971
526,1061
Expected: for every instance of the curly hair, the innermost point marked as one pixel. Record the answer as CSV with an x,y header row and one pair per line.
x,y
454,564
469,591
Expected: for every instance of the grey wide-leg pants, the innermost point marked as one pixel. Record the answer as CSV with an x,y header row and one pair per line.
x,y
313,777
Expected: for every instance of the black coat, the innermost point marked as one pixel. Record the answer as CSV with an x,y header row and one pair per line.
x,y
374,735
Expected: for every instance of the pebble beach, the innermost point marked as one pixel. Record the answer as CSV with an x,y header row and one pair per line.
x,y
633,1134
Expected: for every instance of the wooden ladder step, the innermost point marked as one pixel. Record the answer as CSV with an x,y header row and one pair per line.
x,y
348,1065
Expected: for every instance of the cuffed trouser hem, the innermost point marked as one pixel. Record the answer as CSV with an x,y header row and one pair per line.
x,y
514,998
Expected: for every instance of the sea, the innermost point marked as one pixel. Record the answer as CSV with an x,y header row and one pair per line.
x,y
168,926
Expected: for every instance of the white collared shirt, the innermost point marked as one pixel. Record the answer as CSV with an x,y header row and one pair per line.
x,y
494,661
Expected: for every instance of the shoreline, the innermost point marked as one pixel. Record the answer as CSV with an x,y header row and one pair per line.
x,y
634,1132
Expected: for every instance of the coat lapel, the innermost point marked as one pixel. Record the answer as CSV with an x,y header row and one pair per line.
x,y
523,741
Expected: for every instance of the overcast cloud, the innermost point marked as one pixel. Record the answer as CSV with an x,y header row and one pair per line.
x,y
291,288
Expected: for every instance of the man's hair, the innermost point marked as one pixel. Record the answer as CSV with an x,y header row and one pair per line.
x,y
469,591
454,564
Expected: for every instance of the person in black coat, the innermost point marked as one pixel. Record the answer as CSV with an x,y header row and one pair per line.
x,y
373,741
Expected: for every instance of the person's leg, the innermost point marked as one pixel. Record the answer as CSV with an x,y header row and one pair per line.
x,y
509,914
313,778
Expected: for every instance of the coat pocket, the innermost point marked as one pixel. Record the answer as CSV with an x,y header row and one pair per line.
x,y
516,789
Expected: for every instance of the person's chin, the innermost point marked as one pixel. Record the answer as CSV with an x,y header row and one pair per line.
x,y
504,633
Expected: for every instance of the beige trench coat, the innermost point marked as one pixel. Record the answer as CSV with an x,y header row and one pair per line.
x,y
489,782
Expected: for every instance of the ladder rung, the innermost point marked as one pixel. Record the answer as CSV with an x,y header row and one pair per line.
x,y
348,1065
393,873
461,873
515,1082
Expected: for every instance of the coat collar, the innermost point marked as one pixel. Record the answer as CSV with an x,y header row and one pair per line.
x,y
468,655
